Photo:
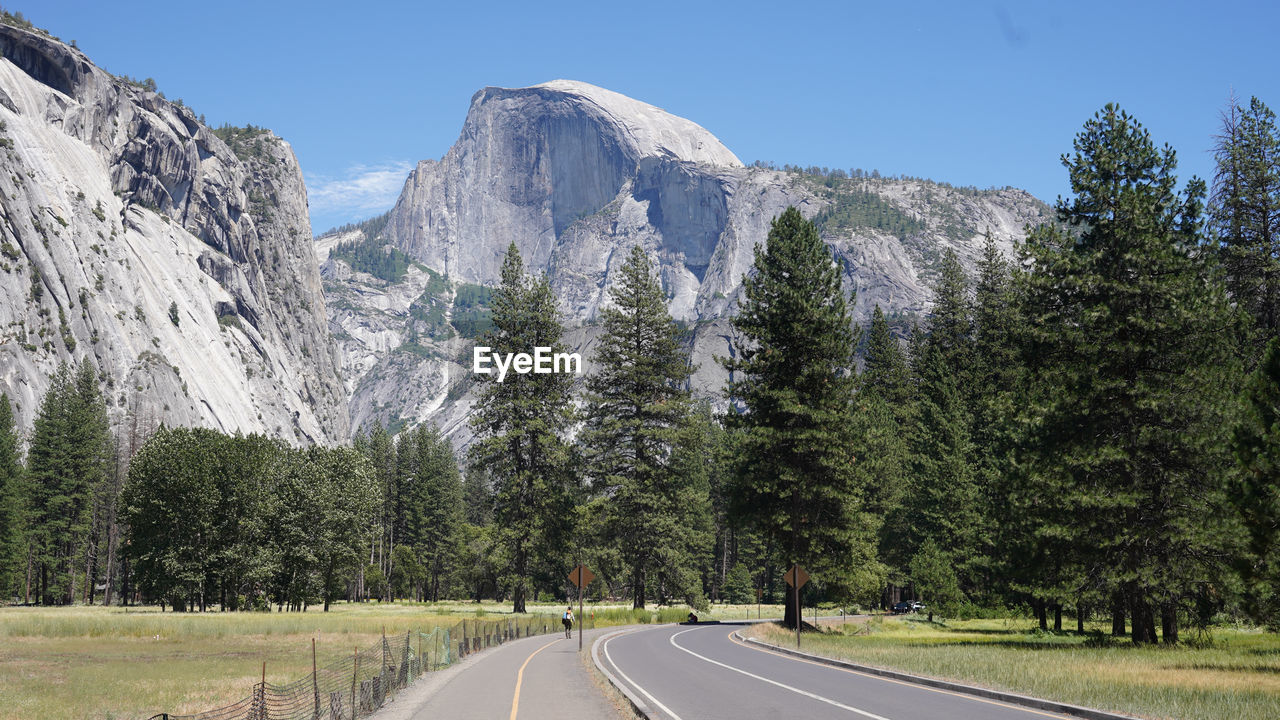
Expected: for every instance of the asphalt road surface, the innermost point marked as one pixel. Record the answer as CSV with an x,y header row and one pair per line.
x,y
535,678
700,673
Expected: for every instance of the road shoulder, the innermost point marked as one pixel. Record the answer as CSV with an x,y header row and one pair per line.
x,y
946,685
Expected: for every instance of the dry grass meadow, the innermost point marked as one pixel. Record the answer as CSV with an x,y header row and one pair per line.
x,y
1235,675
95,663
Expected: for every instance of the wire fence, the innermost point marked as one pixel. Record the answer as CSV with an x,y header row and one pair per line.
x,y
356,686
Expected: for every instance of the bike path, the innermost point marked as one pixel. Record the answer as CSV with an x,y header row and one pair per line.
x,y
554,684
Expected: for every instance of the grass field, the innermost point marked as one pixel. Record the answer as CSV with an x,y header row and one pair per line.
x,y
130,663
1236,677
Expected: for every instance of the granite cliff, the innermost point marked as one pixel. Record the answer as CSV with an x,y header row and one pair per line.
x,y
178,259
575,175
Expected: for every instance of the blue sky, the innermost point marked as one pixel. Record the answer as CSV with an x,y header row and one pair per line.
x,y
986,93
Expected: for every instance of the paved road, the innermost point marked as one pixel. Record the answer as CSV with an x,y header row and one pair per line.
x,y
536,678
701,673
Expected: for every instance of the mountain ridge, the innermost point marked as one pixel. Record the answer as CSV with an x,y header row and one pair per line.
x,y
505,180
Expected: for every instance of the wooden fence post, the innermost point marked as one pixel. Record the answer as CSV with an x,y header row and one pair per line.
x,y
315,679
355,672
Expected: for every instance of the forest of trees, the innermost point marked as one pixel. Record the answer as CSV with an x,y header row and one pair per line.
x,y
1089,429
374,257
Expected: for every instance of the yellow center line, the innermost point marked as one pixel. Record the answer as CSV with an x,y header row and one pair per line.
x,y
515,701
851,671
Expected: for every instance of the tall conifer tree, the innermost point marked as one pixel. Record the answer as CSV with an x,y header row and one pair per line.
x,y
942,501
638,407
435,508
1246,213
792,378
69,462
520,423
1127,450
12,503
884,418
1257,494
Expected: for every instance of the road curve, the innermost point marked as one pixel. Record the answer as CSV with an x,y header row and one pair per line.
x,y
686,672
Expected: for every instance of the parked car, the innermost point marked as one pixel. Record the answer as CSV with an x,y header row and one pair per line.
x,y
901,608
918,607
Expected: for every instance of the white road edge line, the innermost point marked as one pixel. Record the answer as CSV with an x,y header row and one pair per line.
x,y
605,648
625,689
784,686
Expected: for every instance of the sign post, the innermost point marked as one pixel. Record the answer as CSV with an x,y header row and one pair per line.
x,y
796,577
581,577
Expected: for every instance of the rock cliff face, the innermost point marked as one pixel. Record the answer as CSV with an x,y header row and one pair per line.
x,y
178,261
575,175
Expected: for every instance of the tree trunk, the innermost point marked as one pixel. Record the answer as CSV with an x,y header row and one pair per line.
x,y
26,598
1057,617
724,566
89,579
1117,616
792,614
1041,615
1080,611
1169,623
517,595
113,533
1143,626
637,589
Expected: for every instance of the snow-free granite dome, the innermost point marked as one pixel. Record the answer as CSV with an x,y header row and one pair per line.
x,y
654,132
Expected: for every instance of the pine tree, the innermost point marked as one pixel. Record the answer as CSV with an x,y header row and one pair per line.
x,y
996,392
886,415
1257,494
520,424
686,560
380,448
1129,401
69,462
636,409
792,378
12,502
1246,213
435,508
942,500
950,323
883,470
885,372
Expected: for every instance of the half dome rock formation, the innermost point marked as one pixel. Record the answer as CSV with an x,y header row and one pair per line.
x,y
576,175
176,258
533,161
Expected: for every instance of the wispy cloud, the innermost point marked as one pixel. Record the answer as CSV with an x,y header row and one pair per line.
x,y
361,190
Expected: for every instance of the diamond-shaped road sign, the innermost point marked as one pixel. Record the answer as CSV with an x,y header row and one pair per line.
x,y
796,572
581,576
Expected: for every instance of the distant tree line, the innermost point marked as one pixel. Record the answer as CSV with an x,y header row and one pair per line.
x,y
246,142
863,208
831,176
371,228
373,257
